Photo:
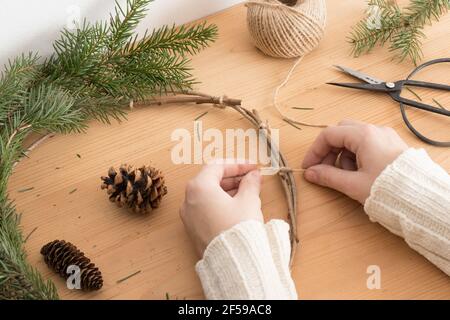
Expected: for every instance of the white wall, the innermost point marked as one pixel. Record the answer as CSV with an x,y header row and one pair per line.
x,y
32,25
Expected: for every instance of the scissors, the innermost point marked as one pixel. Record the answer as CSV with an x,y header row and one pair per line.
x,y
393,89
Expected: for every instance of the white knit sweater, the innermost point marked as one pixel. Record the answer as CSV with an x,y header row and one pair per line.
x,y
411,198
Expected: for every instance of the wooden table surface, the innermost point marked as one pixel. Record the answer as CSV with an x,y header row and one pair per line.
x,y
338,242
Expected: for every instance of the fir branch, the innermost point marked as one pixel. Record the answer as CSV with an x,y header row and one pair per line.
x,y
366,34
77,54
175,39
402,28
15,81
50,108
17,279
407,43
125,21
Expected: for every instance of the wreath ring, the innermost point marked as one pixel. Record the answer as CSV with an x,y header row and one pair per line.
x,y
285,174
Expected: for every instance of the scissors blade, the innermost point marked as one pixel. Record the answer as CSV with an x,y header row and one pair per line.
x,y
362,86
359,75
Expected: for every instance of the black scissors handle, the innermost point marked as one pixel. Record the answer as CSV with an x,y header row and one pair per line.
x,y
416,104
423,84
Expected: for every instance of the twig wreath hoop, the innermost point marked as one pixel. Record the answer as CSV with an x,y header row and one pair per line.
x,y
286,174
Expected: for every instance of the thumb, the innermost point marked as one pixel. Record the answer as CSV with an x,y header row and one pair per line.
x,y
341,180
250,185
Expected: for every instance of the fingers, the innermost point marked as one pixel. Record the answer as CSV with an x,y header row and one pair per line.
x,y
230,183
217,172
347,160
348,137
331,157
250,186
335,178
350,122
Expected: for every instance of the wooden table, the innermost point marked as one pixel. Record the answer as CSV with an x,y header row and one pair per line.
x,y
338,242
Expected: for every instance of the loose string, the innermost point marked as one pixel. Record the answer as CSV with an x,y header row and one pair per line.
x,y
289,120
287,31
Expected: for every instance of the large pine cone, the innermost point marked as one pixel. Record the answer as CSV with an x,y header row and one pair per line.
x,y
141,189
59,255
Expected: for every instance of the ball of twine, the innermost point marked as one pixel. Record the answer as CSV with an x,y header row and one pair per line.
x,y
286,31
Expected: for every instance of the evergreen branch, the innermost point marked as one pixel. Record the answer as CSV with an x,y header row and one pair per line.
x,y
407,43
77,54
14,84
175,39
51,109
366,34
421,12
402,28
17,279
125,21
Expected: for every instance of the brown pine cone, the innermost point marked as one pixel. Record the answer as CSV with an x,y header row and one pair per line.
x,y
140,189
290,3
59,255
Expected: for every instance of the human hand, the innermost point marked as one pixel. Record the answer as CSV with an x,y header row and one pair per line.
x,y
219,197
350,156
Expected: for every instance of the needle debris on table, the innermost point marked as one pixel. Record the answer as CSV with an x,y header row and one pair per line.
x,y
29,235
129,276
201,115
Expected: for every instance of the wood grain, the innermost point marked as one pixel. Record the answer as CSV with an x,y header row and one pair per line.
x,y
338,242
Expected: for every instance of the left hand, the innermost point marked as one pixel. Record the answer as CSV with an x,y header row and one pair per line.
x,y
219,197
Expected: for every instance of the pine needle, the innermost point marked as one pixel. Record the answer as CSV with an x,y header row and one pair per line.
x,y
29,235
128,277
439,104
414,93
201,116
301,108
292,124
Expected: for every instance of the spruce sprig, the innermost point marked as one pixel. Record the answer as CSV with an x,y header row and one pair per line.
x,y
95,70
402,28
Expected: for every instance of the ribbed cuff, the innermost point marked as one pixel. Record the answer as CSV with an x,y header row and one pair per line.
x,y
411,198
248,261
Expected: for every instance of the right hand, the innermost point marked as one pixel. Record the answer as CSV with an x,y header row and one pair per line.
x,y
350,156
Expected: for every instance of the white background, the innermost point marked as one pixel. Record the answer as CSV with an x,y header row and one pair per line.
x,y
32,25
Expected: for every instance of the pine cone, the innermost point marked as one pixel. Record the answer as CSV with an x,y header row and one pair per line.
x,y
289,3
59,255
141,189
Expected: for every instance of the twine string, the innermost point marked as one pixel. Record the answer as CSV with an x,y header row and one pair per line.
x,y
284,31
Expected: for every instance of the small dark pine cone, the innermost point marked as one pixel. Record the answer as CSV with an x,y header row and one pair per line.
x,y
140,189
290,3
59,255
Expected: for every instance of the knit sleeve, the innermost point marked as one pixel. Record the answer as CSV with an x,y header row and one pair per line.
x,y
248,261
411,198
